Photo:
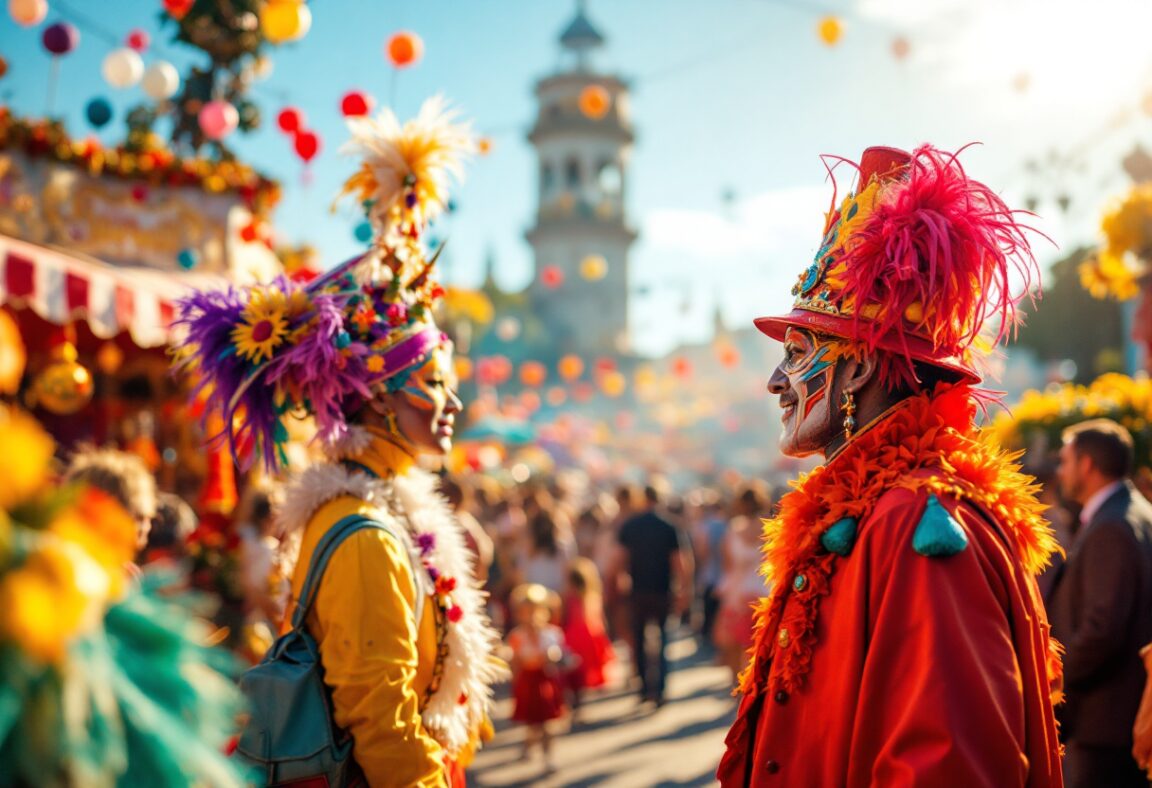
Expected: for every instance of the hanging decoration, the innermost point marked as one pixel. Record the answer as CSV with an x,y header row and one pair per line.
x,y
138,40
404,49
533,374
593,267
60,38
188,258
28,13
218,119
307,145
99,112
551,276
122,68
161,80
285,20
682,368
290,120
109,358
901,47
571,367
831,30
595,101
356,103
64,386
14,357
508,329
178,9
613,384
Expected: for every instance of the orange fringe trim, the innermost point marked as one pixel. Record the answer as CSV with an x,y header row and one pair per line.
x,y
935,431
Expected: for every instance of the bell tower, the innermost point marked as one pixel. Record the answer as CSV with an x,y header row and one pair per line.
x,y
583,139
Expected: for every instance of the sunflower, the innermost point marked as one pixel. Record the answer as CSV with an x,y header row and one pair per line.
x,y
265,325
1108,276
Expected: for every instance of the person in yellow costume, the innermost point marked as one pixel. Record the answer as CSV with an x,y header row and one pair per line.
x,y
406,648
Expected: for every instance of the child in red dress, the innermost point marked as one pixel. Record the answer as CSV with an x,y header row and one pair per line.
x,y
584,630
537,650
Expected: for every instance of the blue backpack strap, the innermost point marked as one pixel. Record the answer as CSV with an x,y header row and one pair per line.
x,y
334,537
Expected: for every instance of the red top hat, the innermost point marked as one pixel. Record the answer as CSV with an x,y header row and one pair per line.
x,y
915,263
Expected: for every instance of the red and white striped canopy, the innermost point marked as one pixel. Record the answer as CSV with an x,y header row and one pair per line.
x,y
61,287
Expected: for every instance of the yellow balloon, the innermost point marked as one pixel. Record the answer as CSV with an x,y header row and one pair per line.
x,y
613,384
830,30
285,20
593,267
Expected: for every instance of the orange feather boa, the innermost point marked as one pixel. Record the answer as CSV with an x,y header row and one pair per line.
x,y
928,431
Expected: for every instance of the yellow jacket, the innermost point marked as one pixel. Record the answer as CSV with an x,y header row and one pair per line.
x,y
377,661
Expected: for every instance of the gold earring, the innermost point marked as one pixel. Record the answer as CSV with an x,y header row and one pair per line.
x,y
848,408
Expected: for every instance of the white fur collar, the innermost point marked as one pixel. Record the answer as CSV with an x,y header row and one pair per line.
x,y
461,704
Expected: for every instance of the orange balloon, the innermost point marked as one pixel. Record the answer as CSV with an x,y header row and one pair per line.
x,y
533,373
830,30
595,101
405,49
571,367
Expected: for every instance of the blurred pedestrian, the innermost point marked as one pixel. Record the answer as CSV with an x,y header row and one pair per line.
x,y
741,584
126,478
548,551
475,537
173,523
1102,606
585,631
707,539
537,654
659,567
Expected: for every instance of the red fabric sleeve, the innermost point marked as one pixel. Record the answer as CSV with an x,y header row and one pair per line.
x,y
940,699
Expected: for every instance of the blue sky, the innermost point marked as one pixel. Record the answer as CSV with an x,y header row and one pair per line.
x,y
729,95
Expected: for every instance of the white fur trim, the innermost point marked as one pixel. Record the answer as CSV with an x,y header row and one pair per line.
x,y
354,442
471,666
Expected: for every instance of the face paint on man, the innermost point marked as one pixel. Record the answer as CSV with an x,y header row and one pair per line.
x,y
805,381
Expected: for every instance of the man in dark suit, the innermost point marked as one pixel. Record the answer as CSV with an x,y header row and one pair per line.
x,y
1102,605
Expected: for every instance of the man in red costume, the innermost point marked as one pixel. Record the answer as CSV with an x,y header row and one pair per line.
x,y
904,642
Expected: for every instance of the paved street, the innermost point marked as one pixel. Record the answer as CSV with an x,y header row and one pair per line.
x,y
617,743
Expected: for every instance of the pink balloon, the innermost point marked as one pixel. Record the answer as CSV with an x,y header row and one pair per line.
x,y
218,119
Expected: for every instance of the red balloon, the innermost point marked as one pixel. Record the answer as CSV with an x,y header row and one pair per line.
x,y
355,103
307,145
138,40
290,120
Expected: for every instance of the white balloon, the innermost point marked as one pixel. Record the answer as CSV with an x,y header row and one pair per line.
x,y
161,80
123,68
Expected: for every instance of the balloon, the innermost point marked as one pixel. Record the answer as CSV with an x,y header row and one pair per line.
x,y
728,355
138,40
60,38
218,119
3,67
98,111
571,367
593,267
356,103
122,68
161,80
484,146
290,120
285,20
533,373
595,101
613,384
187,259
404,49
178,9
900,47
307,145
551,277
682,368
364,232
28,12
830,30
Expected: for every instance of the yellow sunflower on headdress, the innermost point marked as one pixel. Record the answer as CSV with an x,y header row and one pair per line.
x,y
266,321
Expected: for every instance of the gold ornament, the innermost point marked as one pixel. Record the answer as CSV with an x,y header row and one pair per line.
x,y
65,386
848,407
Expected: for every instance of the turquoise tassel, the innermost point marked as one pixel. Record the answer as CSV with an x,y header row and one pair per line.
x,y
840,537
938,534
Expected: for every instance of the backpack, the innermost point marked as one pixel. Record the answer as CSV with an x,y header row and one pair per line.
x,y
290,737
